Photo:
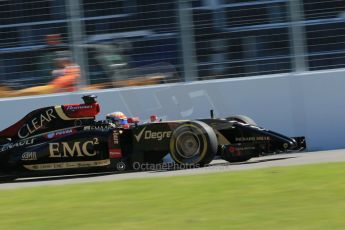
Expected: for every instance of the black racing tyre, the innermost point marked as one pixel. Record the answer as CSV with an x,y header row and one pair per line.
x,y
193,143
241,118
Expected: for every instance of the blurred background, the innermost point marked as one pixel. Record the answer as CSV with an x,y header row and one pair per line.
x,y
117,43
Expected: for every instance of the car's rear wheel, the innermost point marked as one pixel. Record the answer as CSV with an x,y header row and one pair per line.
x,y
193,143
242,119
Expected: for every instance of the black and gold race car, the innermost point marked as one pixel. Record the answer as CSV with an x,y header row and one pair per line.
x,y
64,138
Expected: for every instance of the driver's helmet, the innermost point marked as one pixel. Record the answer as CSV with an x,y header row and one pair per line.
x,y
117,118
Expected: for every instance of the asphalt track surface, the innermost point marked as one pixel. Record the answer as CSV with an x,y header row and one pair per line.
x,y
162,171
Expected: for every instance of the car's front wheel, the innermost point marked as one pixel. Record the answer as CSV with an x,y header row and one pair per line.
x,y
193,143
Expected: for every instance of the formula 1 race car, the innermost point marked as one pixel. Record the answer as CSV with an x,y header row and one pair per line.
x,y
68,137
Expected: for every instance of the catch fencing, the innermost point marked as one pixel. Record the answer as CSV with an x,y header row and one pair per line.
x,y
152,42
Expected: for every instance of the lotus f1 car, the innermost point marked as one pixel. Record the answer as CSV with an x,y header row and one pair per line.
x,y
68,137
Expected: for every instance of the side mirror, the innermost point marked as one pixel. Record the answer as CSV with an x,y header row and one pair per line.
x,y
153,118
133,120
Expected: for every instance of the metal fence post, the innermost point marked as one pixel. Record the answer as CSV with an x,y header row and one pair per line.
x,y
185,15
76,37
297,36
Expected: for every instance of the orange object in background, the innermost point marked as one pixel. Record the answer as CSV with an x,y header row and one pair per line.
x,y
53,39
68,80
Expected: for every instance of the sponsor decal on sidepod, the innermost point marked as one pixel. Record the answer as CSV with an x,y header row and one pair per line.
x,y
60,133
29,156
17,144
148,135
36,123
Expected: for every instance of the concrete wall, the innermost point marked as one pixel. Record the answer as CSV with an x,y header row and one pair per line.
x,y
309,104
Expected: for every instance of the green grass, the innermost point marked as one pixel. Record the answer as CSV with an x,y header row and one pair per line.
x,y
300,197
